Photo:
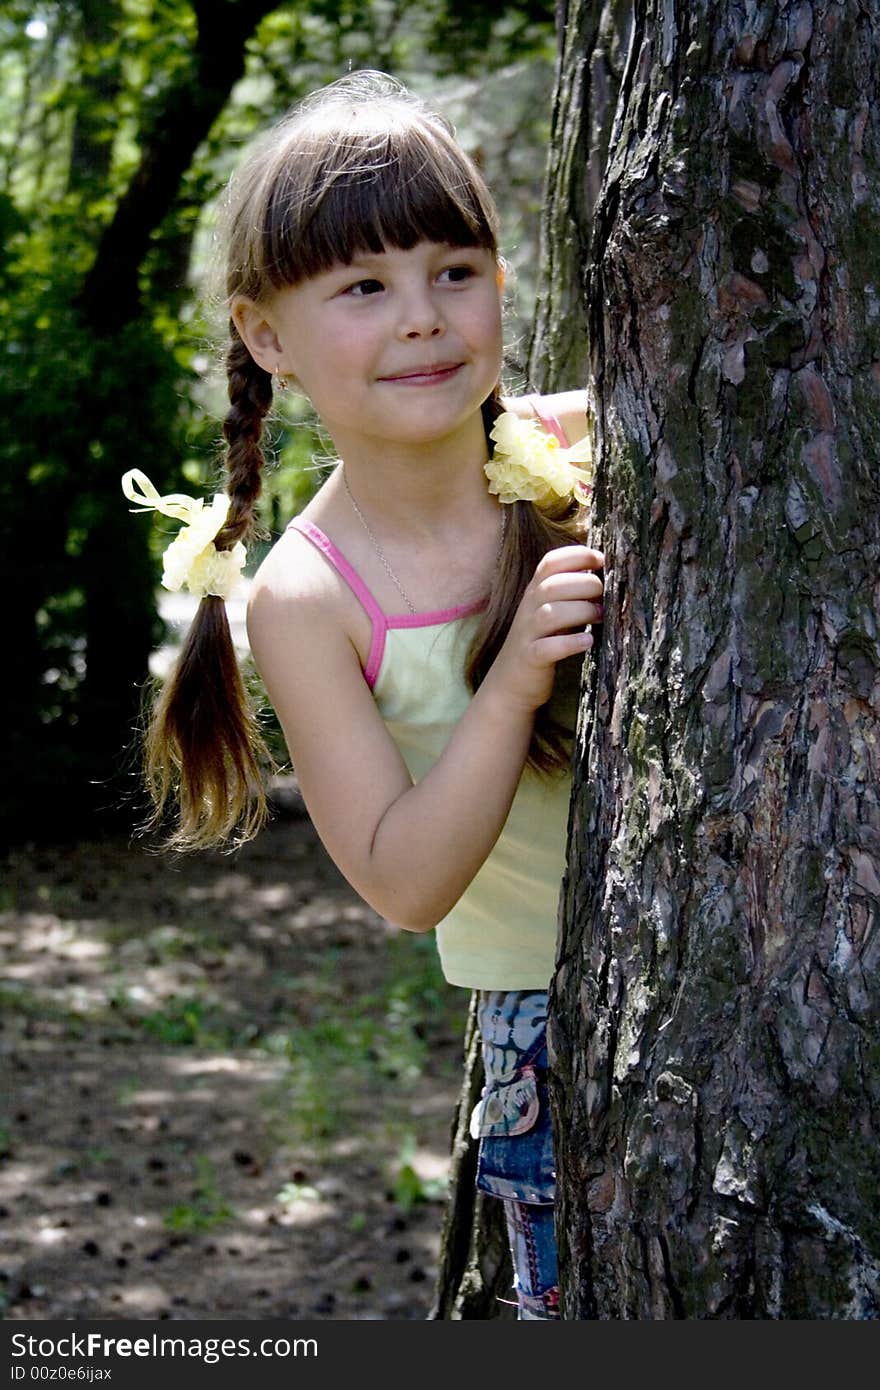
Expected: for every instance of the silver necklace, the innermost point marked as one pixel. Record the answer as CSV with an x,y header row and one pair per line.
x,y
381,554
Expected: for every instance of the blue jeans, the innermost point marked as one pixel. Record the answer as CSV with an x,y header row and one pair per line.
x,y
512,1121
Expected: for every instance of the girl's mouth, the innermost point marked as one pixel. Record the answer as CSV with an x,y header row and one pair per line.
x,y
428,375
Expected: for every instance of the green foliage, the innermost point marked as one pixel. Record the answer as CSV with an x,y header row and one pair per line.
x,y
409,1188
207,1207
97,380
182,1022
296,1194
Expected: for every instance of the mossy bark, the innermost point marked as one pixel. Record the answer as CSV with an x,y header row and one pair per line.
x,y
715,1015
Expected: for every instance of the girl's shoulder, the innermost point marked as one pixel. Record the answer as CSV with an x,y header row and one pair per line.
x,y
294,571
570,408
296,595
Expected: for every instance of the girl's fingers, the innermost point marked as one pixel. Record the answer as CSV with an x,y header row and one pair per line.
x,y
568,586
557,617
569,557
550,650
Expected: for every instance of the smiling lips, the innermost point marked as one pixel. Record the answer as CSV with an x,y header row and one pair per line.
x,y
426,375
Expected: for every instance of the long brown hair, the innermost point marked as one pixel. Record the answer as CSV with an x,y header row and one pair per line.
x,y
531,531
360,166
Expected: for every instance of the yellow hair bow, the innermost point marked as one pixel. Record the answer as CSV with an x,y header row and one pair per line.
x,y
530,465
192,559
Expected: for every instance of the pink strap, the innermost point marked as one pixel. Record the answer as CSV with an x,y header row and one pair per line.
x,y
379,620
550,422
370,605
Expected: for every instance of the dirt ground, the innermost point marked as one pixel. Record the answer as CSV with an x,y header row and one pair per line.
x,y
227,1088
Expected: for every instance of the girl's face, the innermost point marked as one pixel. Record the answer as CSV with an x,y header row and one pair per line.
x,y
402,346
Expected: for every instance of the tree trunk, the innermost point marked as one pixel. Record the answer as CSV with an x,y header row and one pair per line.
x,y
116,573
592,47
714,1017
110,296
474,1280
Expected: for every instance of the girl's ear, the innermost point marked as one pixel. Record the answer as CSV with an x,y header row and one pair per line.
x,y
257,333
500,273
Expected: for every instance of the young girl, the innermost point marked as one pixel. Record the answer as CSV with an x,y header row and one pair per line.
x,y
408,625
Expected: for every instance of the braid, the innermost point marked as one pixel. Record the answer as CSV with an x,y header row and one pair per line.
x,y
203,745
250,396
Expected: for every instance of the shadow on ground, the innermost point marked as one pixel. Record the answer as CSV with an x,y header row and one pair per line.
x,y
229,1088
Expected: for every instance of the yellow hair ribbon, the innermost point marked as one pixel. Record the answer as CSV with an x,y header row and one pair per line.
x,y
148,499
192,559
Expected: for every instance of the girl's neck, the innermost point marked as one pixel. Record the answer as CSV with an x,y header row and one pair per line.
x,y
420,489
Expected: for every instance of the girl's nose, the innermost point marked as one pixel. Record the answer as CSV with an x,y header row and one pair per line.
x,y
421,317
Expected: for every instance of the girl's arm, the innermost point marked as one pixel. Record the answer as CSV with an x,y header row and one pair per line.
x,y
569,407
411,850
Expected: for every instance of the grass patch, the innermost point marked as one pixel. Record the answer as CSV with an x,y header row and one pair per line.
x,y
207,1207
378,1044
188,1022
408,1187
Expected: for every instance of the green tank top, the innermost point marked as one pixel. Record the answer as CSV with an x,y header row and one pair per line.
x,y
501,934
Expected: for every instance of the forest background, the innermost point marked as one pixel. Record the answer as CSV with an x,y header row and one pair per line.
x,y
135,993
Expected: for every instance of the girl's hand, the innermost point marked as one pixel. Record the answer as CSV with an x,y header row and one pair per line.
x,y
551,623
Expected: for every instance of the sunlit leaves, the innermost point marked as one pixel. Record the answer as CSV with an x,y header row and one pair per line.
x,y
87,87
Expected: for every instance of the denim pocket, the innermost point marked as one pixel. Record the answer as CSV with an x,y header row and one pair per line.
x,y
508,1106
512,1122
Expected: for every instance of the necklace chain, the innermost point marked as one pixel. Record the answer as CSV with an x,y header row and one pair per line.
x,y
381,554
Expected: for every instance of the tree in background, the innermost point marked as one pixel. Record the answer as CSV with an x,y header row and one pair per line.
x,y
121,121
113,100
711,230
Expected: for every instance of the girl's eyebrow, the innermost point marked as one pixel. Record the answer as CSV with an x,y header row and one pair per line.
x,y
364,258
372,258
367,261
375,263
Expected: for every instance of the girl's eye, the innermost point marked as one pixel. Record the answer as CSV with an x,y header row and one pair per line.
x,y
456,273
364,287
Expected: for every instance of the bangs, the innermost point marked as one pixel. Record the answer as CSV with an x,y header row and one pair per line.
x,y
368,195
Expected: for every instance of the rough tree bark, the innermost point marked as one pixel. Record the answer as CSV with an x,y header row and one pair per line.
x,y
715,1010
592,49
474,1278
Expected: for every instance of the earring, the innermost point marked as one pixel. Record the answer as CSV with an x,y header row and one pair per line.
x,y
280,382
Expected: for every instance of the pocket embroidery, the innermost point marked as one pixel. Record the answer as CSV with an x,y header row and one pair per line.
x,y
507,1107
